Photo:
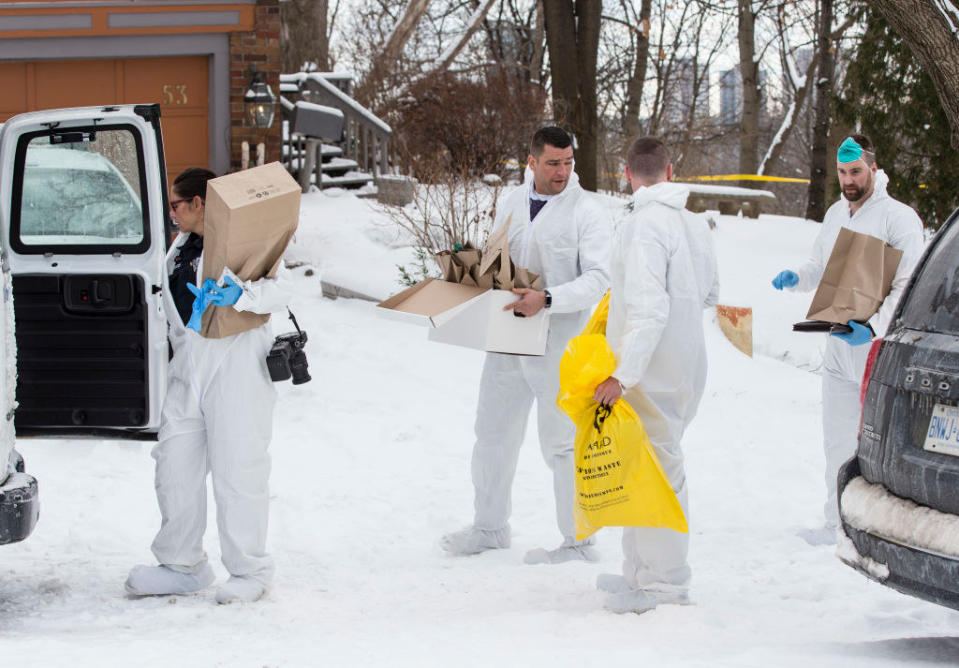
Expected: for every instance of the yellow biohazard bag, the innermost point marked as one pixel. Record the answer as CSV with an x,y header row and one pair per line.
x,y
619,480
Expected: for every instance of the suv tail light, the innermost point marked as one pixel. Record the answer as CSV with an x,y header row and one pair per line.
x,y
870,361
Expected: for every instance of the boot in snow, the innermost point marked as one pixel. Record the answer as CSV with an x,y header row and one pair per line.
x,y
240,588
474,541
163,581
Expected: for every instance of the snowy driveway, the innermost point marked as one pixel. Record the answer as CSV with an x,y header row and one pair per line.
x,y
371,466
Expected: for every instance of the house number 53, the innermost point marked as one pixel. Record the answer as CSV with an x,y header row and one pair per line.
x,y
174,94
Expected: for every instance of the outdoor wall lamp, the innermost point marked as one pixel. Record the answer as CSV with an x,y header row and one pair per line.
x,y
259,101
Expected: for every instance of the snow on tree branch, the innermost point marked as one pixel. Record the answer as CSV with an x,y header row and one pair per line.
x,y
951,13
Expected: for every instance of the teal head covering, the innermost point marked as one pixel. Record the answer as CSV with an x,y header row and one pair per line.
x,y
849,151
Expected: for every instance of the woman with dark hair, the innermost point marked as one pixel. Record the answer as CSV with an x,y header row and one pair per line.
x,y
217,418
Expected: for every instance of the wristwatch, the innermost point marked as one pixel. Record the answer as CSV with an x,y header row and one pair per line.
x,y
549,298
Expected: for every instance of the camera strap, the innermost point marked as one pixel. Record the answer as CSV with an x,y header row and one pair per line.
x,y
293,318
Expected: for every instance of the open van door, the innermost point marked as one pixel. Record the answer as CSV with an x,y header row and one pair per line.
x,y
85,231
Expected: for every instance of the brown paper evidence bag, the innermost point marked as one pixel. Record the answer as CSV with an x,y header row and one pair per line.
x,y
857,278
491,268
250,218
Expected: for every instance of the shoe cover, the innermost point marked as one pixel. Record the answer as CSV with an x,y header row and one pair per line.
x,y
644,600
561,554
474,541
163,581
612,583
240,588
817,537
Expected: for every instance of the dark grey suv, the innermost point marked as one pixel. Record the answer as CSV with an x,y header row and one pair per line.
x,y
899,496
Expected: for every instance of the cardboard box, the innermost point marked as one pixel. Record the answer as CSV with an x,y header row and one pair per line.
x,y
250,218
469,316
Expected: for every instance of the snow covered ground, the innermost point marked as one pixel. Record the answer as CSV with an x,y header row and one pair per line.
x,y
371,467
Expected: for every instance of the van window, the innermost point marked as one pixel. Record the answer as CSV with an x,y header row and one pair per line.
x,y
80,191
933,302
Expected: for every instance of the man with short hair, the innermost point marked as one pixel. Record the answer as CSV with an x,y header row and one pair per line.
x,y
561,232
864,207
663,274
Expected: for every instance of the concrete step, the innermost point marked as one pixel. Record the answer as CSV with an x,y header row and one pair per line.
x,y
350,180
339,166
327,151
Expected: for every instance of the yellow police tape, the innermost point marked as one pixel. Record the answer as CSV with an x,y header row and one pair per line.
x,y
706,177
742,177
731,177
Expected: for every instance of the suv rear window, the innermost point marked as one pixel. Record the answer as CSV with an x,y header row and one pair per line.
x,y
79,191
933,302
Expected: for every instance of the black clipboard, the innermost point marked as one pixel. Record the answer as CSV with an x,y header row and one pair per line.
x,y
821,326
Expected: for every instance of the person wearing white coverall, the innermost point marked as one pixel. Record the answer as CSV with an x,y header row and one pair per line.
x,y
217,418
864,207
663,273
561,232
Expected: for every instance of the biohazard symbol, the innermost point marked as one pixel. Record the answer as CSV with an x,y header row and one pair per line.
x,y
602,412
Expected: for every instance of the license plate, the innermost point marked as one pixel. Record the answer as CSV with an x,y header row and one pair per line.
x,y
943,433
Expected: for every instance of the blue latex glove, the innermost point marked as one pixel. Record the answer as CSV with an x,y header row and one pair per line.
x,y
227,295
859,335
785,279
200,303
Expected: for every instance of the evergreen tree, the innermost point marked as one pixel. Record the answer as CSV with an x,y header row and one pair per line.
x,y
891,99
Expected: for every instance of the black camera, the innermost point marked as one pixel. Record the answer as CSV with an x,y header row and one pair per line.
x,y
287,357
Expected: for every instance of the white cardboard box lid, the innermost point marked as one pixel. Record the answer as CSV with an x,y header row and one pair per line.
x,y
482,323
508,334
468,316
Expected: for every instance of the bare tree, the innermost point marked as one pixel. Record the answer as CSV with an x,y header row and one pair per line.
x,y
634,87
797,84
538,42
572,37
307,30
387,58
930,28
749,72
668,94
825,70
472,24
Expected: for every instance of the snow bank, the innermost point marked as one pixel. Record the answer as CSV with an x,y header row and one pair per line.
x,y
872,508
351,242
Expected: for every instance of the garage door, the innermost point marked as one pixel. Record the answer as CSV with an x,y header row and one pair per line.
x,y
180,85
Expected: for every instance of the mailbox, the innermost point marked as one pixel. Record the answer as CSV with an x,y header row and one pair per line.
x,y
314,120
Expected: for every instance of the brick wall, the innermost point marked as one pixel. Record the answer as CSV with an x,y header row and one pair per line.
x,y
260,48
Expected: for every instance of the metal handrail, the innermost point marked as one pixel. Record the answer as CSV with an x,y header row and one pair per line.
x,y
366,137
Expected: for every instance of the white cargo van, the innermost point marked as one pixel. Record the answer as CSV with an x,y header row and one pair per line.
x,y
84,229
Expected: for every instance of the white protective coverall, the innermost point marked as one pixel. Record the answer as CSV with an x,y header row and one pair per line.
x,y
567,244
663,273
218,418
843,366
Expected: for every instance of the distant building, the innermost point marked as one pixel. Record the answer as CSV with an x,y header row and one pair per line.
x,y
682,93
731,95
